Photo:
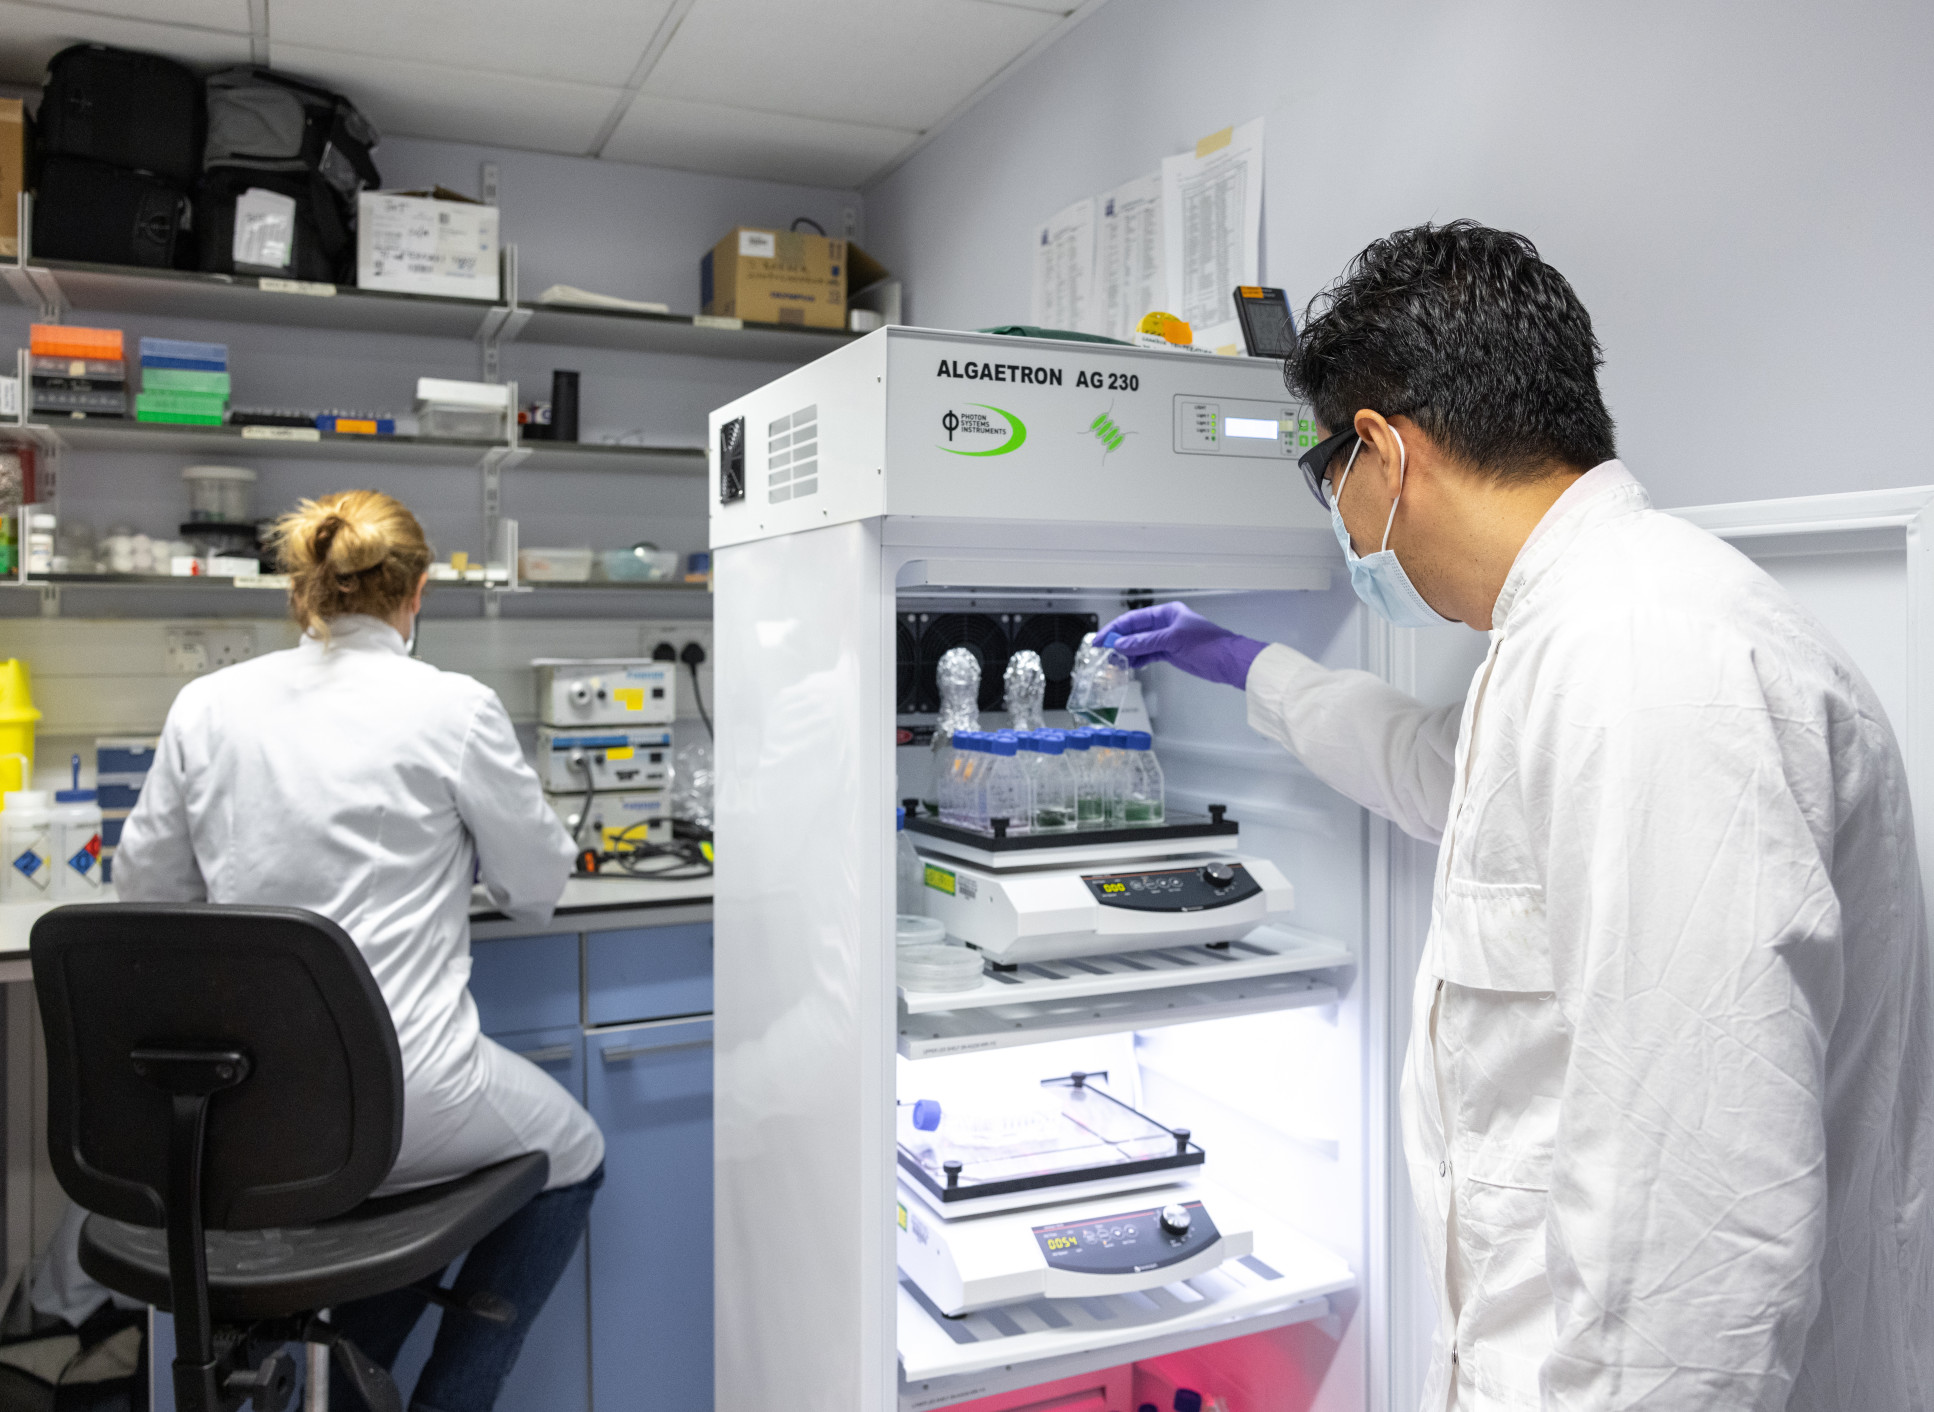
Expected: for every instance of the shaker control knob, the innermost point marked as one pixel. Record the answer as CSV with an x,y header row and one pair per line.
x,y
1175,1219
1218,875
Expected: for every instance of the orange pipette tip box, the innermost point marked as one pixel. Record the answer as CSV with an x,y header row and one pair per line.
x,y
73,341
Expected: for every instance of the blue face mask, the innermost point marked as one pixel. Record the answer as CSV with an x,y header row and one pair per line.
x,y
1379,580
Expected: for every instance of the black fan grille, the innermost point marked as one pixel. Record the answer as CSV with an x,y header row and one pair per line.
x,y
933,634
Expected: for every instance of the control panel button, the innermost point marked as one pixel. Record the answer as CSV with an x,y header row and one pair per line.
x,y
1218,875
1175,1219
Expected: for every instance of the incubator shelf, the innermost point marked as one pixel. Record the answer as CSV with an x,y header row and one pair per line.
x,y
1133,991
945,1361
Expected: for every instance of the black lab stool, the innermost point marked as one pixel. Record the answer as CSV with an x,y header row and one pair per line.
x,y
224,1092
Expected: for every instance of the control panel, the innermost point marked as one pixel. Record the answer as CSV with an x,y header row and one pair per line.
x,y
1128,1243
1229,426
1194,888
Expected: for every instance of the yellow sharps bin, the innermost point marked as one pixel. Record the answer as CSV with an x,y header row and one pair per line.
x,y
17,717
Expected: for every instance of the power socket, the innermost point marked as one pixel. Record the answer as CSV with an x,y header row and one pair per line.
x,y
194,652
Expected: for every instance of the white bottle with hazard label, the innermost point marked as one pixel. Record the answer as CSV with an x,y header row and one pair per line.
x,y
77,843
26,846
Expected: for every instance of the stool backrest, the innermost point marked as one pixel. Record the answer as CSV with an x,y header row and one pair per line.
x,y
310,1130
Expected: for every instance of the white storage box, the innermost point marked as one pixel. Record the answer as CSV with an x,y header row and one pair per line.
x,y
419,245
554,565
478,411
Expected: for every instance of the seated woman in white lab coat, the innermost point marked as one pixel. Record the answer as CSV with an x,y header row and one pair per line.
x,y
347,777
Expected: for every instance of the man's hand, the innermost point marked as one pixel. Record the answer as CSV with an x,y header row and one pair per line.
x,y
1169,632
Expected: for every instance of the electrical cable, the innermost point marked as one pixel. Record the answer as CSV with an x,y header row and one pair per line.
x,y
580,761
698,700
681,860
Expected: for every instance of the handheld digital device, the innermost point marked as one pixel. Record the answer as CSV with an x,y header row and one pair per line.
x,y
1268,328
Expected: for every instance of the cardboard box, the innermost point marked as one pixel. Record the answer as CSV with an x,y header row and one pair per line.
x,y
777,277
13,172
417,244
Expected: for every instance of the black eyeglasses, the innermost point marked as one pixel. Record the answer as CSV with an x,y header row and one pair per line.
x,y
1316,462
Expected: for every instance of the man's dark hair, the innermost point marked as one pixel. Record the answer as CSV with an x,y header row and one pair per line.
x,y
1466,331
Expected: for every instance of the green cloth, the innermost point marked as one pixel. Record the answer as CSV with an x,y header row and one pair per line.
x,y
183,380
1032,331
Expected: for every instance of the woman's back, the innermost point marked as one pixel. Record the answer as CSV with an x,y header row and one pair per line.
x,y
352,780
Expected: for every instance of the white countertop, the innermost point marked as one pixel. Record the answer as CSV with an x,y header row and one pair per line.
x,y
581,895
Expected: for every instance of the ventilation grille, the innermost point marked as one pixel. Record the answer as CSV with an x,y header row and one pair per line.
x,y
792,456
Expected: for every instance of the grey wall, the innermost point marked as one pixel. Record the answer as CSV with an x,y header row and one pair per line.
x,y
1741,194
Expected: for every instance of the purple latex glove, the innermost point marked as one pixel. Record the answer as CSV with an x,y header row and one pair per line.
x,y
1170,632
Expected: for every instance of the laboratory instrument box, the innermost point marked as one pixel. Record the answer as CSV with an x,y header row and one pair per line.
x,y
614,822
609,691
603,759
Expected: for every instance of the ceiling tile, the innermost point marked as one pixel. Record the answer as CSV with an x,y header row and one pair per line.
x,y
704,137
880,63
230,15
30,35
407,99
595,42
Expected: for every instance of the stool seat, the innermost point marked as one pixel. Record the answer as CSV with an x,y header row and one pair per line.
x,y
383,1244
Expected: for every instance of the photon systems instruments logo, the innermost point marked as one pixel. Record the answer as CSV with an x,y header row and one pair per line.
x,y
989,431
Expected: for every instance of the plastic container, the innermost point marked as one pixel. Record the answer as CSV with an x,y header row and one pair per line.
x,y
639,564
1051,780
911,929
1144,794
1091,795
909,872
957,787
76,840
1002,789
957,675
1100,683
26,846
945,966
554,565
222,494
1106,761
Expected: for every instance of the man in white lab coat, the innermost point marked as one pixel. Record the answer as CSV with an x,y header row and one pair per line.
x,y
1669,1099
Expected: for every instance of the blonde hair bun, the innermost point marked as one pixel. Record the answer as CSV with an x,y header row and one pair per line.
x,y
354,552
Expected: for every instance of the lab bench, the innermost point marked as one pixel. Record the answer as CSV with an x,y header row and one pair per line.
x,y
612,997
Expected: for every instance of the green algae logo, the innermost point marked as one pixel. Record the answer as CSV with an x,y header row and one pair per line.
x,y
969,433
1106,432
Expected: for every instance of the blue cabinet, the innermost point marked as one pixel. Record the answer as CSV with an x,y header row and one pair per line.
x,y
525,983
648,973
650,1088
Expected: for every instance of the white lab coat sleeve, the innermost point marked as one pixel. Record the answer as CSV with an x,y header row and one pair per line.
x,y
155,860
1696,956
523,853
1361,736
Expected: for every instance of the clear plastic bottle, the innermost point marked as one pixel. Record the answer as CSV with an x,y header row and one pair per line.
x,y
1105,757
1025,688
910,872
957,674
1100,683
1004,791
1091,800
957,788
1052,779
1144,795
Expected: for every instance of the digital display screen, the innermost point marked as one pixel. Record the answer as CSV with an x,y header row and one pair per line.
x,y
1114,887
1260,428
